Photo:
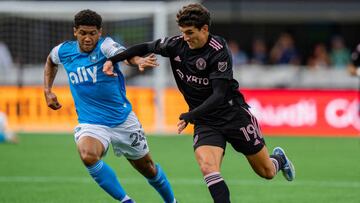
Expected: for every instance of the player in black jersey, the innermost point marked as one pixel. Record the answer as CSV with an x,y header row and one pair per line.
x,y
202,67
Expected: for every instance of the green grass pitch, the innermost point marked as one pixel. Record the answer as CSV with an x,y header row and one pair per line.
x,y
46,169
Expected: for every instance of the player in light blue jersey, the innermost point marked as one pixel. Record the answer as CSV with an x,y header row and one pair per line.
x,y
105,115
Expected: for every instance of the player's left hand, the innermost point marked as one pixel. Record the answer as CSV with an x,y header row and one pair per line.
x,y
147,62
186,117
181,126
108,69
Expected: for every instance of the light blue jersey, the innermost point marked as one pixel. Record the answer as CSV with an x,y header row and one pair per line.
x,y
99,99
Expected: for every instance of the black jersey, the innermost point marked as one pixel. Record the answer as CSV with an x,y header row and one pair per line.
x,y
194,69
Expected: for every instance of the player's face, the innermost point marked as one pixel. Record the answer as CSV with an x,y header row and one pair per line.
x,y
87,36
195,38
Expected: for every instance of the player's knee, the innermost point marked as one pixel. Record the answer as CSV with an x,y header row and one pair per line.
x,y
89,158
207,168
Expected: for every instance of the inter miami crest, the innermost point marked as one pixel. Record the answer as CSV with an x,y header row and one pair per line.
x,y
201,64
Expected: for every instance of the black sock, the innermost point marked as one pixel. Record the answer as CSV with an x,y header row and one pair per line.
x,y
217,187
278,161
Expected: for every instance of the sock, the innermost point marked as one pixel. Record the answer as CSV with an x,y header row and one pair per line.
x,y
2,137
107,180
162,185
217,187
277,161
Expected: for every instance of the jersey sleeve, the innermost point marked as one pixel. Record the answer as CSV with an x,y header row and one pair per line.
x,y
164,46
221,66
110,48
54,55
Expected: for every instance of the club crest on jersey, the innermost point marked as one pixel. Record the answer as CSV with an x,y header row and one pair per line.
x,y
201,64
93,57
116,45
222,66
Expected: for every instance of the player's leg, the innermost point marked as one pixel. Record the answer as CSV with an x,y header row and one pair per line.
x,y
155,176
268,166
209,148
209,159
263,165
248,140
92,144
129,140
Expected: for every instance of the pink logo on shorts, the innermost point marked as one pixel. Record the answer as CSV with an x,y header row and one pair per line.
x,y
196,138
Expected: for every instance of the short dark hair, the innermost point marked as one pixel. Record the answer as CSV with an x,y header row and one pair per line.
x,y
193,15
88,17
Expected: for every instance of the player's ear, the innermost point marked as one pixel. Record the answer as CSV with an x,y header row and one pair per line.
x,y
74,29
205,28
100,32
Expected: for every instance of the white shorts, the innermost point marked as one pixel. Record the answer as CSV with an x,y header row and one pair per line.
x,y
127,139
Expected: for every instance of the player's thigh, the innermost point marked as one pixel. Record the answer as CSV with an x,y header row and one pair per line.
x,y
92,139
209,146
129,139
209,158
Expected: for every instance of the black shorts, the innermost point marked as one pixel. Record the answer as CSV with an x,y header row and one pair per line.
x,y
242,132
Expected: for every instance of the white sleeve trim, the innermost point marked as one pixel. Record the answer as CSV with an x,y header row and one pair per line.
x,y
110,48
54,54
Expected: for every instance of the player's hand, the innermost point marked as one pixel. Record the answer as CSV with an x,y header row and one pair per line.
x,y
147,62
181,125
187,117
51,101
108,69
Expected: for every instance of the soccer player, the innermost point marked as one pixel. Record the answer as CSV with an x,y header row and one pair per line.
x,y
202,66
104,113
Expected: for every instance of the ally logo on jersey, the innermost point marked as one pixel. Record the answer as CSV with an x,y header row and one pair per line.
x,y
83,74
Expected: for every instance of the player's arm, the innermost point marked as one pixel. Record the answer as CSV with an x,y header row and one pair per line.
x,y
50,72
219,87
132,53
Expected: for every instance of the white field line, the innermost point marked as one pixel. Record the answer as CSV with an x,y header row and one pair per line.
x,y
184,181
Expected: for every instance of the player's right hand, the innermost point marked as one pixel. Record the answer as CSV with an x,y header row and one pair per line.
x,y
181,126
51,101
108,69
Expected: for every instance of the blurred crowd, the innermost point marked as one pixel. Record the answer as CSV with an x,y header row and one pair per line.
x,y
334,54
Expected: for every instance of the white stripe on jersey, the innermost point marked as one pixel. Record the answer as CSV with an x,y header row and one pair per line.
x,y
110,48
215,44
176,38
54,54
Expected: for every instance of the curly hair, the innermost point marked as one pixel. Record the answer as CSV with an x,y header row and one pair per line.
x,y
193,15
88,17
